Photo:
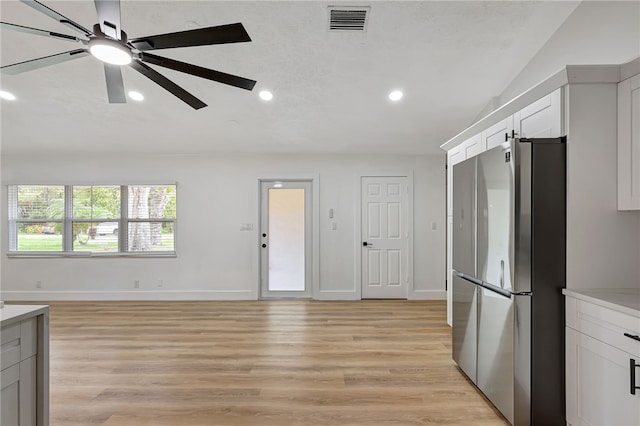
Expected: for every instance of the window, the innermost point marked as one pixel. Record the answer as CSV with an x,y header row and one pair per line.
x,y
92,220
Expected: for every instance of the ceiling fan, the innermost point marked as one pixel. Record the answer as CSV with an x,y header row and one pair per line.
x,y
109,43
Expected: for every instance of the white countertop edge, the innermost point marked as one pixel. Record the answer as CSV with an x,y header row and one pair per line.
x,y
15,313
625,300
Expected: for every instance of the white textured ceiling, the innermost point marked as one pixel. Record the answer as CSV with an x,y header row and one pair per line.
x,y
330,89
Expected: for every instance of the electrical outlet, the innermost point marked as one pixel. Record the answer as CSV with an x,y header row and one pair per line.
x,y
38,284
136,284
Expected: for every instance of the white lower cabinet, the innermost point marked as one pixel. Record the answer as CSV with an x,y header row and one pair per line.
x,y
602,365
24,361
598,379
19,394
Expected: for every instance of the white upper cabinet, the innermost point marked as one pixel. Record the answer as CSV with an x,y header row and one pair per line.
x,y
498,133
541,119
629,144
473,146
456,155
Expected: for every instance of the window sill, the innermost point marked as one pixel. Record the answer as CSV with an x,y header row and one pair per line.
x,y
86,254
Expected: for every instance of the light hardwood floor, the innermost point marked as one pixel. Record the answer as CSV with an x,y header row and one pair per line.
x,y
258,363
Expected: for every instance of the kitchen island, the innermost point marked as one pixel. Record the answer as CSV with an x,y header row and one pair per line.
x,y
603,356
25,365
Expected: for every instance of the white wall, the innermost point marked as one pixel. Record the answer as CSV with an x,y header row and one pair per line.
x,y
215,194
603,244
597,32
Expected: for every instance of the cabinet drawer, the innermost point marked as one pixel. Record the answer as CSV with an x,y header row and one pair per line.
x,y
607,325
19,342
10,348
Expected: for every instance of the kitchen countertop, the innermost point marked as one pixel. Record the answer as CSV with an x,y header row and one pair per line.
x,y
10,314
626,300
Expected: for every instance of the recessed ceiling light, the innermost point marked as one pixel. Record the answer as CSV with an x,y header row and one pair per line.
x,y
136,96
6,95
266,95
396,95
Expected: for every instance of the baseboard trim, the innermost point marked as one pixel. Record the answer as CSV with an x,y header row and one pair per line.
x,y
428,295
126,295
338,295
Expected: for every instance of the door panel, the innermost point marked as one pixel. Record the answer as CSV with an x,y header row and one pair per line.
x,y
465,322
285,239
394,262
464,227
385,231
495,349
496,206
375,279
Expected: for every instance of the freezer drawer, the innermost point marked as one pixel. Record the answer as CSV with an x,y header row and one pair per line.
x,y
496,349
465,322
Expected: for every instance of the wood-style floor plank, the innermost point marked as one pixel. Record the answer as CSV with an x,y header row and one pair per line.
x,y
304,363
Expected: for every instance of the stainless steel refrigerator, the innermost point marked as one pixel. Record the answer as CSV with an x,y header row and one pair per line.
x,y
509,207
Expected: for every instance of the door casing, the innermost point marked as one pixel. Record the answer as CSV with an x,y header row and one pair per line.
x,y
313,281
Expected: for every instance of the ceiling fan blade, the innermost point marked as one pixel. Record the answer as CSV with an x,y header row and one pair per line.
x,y
167,84
57,16
231,33
221,77
115,86
45,61
36,31
109,17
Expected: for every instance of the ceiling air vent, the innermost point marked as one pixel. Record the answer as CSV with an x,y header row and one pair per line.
x,y
345,18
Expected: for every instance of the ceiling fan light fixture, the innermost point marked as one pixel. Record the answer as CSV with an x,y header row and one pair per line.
x,y
110,51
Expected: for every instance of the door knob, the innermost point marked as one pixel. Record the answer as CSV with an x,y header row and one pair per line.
x,y
366,244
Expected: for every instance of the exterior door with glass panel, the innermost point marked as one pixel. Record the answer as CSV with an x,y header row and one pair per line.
x,y
385,248
285,239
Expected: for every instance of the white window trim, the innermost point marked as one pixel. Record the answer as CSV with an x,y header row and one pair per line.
x,y
68,220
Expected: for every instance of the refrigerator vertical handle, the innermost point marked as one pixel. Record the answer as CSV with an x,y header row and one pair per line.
x,y
501,273
632,376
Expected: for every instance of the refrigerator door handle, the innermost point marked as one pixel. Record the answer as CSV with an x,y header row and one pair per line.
x,y
502,273
469,278
496,289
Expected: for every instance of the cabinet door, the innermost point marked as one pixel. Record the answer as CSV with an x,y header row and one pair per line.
x,y
541,119
473,146
456,155
10,414
19,394
495,135
598,383
629,144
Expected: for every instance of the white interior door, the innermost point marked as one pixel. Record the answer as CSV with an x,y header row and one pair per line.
x,y
385,236
285,239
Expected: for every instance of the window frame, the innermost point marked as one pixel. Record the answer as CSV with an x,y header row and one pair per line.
x,y
68,221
